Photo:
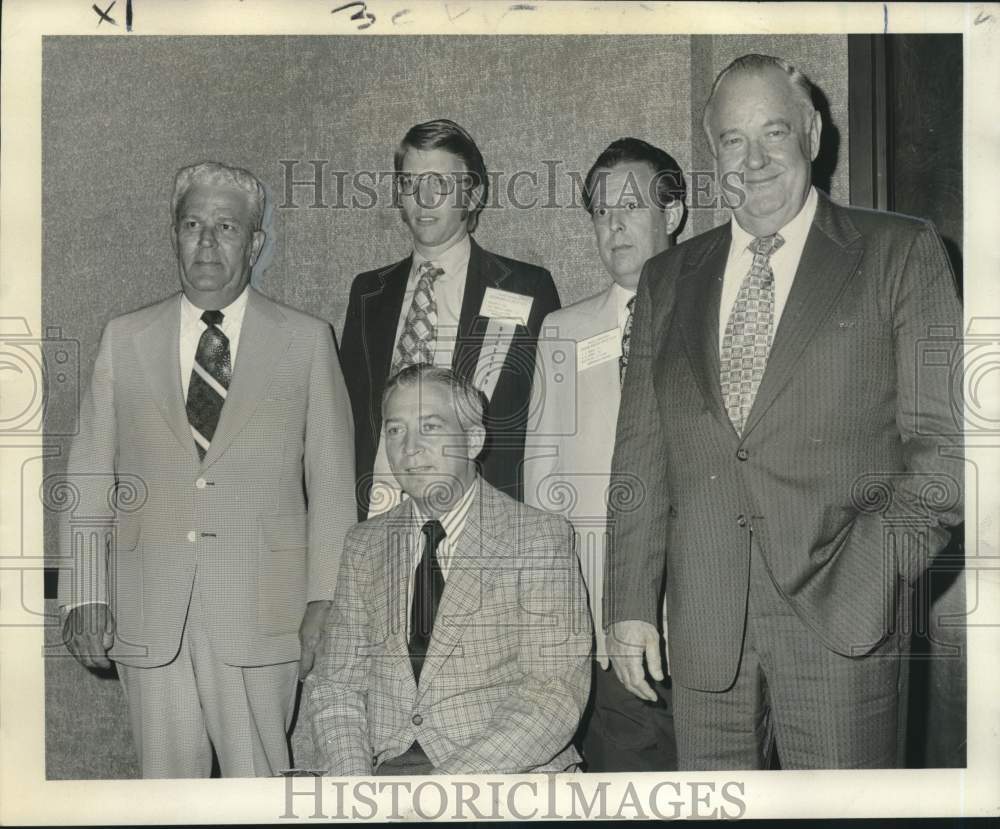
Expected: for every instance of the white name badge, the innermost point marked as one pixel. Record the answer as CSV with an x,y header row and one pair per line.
x,y
493,354
598,349
506,305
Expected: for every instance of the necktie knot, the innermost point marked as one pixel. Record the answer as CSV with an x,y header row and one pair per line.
x,y
630,305
212,318
434,532
766,245
428,270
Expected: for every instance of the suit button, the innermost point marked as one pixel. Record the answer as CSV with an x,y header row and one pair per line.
x,y
192,536
741,520
200,483
417,719
742,454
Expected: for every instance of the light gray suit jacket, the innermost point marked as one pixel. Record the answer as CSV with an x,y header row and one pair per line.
x,y
571,434
261,520
507,672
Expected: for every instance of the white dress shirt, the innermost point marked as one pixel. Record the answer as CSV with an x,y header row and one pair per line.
x,y
192,328
784,262
453,522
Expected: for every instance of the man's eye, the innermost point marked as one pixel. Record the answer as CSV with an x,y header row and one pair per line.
x,y
777,133
431,427
189,224
227,226
392,431
601,211
631,205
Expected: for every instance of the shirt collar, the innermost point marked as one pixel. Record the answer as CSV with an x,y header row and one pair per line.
x,y
231,313
453,521
451,261
793,232
620,296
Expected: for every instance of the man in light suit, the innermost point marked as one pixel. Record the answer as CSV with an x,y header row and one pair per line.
x,y
230,410
634,193
789,413
449,303
459,641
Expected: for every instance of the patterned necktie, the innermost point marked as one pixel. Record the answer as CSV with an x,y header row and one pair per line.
x,y
746,341
416,341
626,339
428,585
209,381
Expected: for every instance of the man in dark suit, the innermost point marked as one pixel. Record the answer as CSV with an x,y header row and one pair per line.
x,y
449,303
209,593
790,507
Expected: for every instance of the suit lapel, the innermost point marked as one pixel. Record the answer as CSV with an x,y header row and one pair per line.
x,y
699,292
263,342
830,258
484,271
381,311
159,353
470,568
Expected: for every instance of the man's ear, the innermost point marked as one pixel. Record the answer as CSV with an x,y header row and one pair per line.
x,y
814,132
673,215
477,440
173,238
258,243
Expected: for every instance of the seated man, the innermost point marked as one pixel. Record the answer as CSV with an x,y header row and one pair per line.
x,y
459,641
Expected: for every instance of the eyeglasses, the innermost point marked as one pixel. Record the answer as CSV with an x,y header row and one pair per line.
x,y
440,184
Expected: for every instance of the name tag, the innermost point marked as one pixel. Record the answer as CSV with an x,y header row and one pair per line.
x,y
506,305
598,349
496,344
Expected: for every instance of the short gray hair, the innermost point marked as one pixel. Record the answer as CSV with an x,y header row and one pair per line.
x,y
214,172
470,402
753,64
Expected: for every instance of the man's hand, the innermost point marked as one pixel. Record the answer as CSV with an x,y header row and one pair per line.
x,y
311,634
89,631
627,643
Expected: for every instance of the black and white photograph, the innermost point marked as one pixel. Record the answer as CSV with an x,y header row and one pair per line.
x,y
574,410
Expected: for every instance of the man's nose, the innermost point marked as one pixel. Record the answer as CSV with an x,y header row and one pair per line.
x,y
617,219
207,236
757,156
411,443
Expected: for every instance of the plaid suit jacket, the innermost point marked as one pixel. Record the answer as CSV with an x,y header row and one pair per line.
x,y
147,514
849,468
507,673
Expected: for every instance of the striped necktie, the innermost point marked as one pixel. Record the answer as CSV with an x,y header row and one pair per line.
x,y
209,381
746,341
416,340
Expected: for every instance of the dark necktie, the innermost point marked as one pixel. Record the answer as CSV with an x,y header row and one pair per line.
x,y
209,381
626,339
746,340
428,585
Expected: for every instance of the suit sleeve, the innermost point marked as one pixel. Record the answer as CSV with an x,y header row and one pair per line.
x,y
927,339
336,691
329,467
538,718
83,576
541,445
638,500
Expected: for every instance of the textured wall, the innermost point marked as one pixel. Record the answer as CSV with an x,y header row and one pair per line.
x,y
120,115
